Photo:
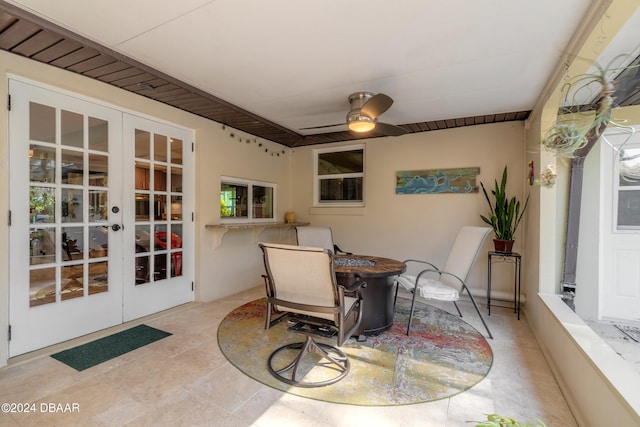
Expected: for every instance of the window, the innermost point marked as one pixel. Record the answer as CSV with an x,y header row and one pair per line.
x,y
244,200
629,189
339,176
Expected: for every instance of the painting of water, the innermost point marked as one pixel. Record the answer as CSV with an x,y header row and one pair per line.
x,y
435,181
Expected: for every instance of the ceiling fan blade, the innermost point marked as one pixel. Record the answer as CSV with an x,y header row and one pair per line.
x,y
323,126
389,129
376,105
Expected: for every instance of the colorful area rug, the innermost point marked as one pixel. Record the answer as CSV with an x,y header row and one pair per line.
x,y
442,357
95,352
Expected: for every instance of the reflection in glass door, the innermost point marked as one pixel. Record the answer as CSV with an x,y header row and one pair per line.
x,y
68,254
158,206
163,236
64,278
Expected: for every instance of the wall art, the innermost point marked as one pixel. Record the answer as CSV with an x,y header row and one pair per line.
x,y
435,181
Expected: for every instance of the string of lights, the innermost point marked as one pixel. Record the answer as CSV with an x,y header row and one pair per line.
x,y
237,136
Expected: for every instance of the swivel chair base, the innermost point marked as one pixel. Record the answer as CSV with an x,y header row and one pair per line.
x,y
335,358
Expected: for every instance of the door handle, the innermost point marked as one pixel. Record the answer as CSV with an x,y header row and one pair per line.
x,y
116,227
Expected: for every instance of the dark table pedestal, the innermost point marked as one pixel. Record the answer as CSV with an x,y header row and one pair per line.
x,y
378,294
378,303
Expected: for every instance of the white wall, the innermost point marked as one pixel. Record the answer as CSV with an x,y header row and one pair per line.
x,y
419,226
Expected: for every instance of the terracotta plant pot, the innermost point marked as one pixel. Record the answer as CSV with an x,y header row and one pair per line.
x,y
504,246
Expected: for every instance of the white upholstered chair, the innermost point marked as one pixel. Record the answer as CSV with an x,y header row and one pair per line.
x,y
447,283
319,237
301,285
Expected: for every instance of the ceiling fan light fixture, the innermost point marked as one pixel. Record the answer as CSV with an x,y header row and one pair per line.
x,y
361,124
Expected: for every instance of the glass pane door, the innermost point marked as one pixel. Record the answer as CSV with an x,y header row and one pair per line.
x,y
66,271
163,233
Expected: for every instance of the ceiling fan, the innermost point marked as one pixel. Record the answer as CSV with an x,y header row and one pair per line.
x,y
363,116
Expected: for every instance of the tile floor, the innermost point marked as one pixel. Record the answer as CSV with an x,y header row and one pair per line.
x,y
184,380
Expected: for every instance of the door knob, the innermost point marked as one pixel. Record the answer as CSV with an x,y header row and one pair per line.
x,y
116,227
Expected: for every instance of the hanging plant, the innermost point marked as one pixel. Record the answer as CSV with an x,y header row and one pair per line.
x,y
548,176
568,139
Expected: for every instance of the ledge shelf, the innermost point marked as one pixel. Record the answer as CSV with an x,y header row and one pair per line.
x,y
256,227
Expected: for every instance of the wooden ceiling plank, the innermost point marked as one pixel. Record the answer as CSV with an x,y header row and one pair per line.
x,y
58,50
107,69
154,84
92,63
39,42
75,57
188,100
175,97
6,20
119,75
17,33
138,78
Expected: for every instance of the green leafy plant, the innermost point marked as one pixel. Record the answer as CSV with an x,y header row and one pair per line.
x,y
506,212
495,420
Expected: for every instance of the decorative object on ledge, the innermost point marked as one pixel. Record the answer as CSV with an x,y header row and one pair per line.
x,y
506,214
434,181
289,217
256,227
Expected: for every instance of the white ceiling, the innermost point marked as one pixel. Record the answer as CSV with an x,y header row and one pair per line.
x,y
295,62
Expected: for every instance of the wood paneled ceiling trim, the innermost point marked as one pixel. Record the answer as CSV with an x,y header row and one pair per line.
x,y
30,36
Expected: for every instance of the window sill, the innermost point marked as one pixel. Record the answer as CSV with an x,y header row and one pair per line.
x,y
337,210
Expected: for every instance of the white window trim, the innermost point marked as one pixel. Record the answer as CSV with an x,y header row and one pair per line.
x,y
316,178
249,183
618,139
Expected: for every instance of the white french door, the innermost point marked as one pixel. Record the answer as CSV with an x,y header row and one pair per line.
x,y
75,260
158,194
620,283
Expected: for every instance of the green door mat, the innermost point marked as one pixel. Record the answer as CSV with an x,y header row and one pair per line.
x,y
95,352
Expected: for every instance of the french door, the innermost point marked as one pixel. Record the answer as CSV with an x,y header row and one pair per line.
x,y
619,294
79,258
160,269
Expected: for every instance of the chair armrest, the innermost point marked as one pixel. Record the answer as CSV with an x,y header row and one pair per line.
x,y
337,250
429,270
446,273
359,283
419,261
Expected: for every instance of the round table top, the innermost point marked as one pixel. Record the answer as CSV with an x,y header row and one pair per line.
x,y
367,265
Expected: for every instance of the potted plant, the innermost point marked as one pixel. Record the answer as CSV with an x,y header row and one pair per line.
x,y
495,420
506,214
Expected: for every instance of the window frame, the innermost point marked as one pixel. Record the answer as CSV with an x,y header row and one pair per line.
x,y
318,178
617,189
250,184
